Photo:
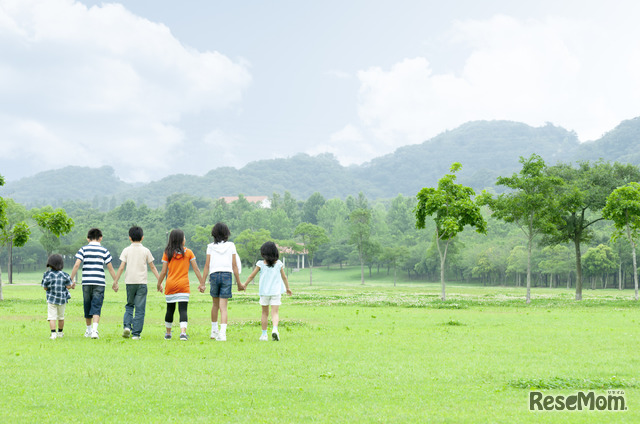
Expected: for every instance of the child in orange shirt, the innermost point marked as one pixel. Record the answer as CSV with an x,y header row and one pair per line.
x,y
175,266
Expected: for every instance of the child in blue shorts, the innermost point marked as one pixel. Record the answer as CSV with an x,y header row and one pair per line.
x,y
222,261
273,282
93,257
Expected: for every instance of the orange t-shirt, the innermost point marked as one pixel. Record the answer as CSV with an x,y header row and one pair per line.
x,y
178,272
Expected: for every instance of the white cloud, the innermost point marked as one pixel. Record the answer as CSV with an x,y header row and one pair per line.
x,y
104,86
570,72
349,145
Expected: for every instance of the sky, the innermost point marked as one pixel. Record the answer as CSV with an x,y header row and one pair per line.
x,y
159,87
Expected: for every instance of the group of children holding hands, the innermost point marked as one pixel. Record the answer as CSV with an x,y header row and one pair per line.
x,y
222,264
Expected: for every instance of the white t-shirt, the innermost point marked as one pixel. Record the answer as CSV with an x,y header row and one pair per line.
x,y
221,255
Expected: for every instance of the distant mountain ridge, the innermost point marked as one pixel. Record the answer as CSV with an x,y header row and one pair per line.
x,y
486,150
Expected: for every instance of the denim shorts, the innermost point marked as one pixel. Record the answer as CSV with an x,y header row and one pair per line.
x,y
93,297
220,284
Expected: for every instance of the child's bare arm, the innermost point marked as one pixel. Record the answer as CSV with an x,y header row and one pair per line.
x,y
251,276
194,265
153,269
119,273
74,271
236,273
111,271
161,276
205,272
286,282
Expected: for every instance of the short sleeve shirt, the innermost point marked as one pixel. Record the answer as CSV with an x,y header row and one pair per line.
x,y
271,283
56,283
178,272
137,257
94,257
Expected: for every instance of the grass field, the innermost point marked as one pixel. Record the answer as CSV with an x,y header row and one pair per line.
x,y
349,353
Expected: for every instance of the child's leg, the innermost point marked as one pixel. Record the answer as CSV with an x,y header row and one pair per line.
x,y
223,310
52,325
168,317
140,304
127,320
265,317
60,325
275,317
182,310
215,307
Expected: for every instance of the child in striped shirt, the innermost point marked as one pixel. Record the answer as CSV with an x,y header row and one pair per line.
x,y
93,257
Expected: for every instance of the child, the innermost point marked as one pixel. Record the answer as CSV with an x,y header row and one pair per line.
x,y
220,264
57,284
273,282
93,258
175,263
136,257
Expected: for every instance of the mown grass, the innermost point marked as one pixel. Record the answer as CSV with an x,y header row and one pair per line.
x,y
349,353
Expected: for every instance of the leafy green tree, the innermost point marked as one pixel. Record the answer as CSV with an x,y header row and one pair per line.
x,y
529,204
311,207
580,199
623,208
453,209
599,260
360,233
313,237
248,244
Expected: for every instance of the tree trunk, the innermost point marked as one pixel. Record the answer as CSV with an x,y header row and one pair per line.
x,y
361,270
578,271
10,262
443,258
620,276
395,274
530,242
311,272
1,295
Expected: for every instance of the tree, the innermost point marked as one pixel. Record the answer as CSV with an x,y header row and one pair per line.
x,y
623,208
248,244
313,237
360,232
453,209
599,260
585,189
529,205
311,207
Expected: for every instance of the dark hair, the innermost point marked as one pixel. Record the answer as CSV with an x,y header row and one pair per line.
x,y
94,234
175,245
269,252
220,232
135,233
55,262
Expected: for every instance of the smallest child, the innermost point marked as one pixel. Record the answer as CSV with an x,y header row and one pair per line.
x,y
273,282
56,283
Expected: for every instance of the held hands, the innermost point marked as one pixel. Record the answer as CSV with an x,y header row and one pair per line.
x,y
115,286
160,287
201,287
241,287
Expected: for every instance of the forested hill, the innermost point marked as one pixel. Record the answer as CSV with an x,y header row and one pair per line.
x,y
486,149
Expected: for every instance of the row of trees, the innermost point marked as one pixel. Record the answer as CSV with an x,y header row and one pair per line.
x,y
560,210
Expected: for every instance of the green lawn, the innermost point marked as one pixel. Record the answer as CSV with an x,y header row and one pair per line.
x,y
349,353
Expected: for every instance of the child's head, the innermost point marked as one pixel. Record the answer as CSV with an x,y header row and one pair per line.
x,y
175,245
55,262
220,233
94,234
135,233
269,252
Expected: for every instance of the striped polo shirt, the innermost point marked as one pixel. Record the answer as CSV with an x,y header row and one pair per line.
x,y
94,257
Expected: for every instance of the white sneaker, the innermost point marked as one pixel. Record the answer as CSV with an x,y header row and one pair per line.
x,y
94,334
88,332
53,336
135,337
222,337
126,333
275,336
264,338
60,335
214,334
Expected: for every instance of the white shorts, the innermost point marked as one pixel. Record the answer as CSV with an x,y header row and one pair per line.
x,y
55,312
270,300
